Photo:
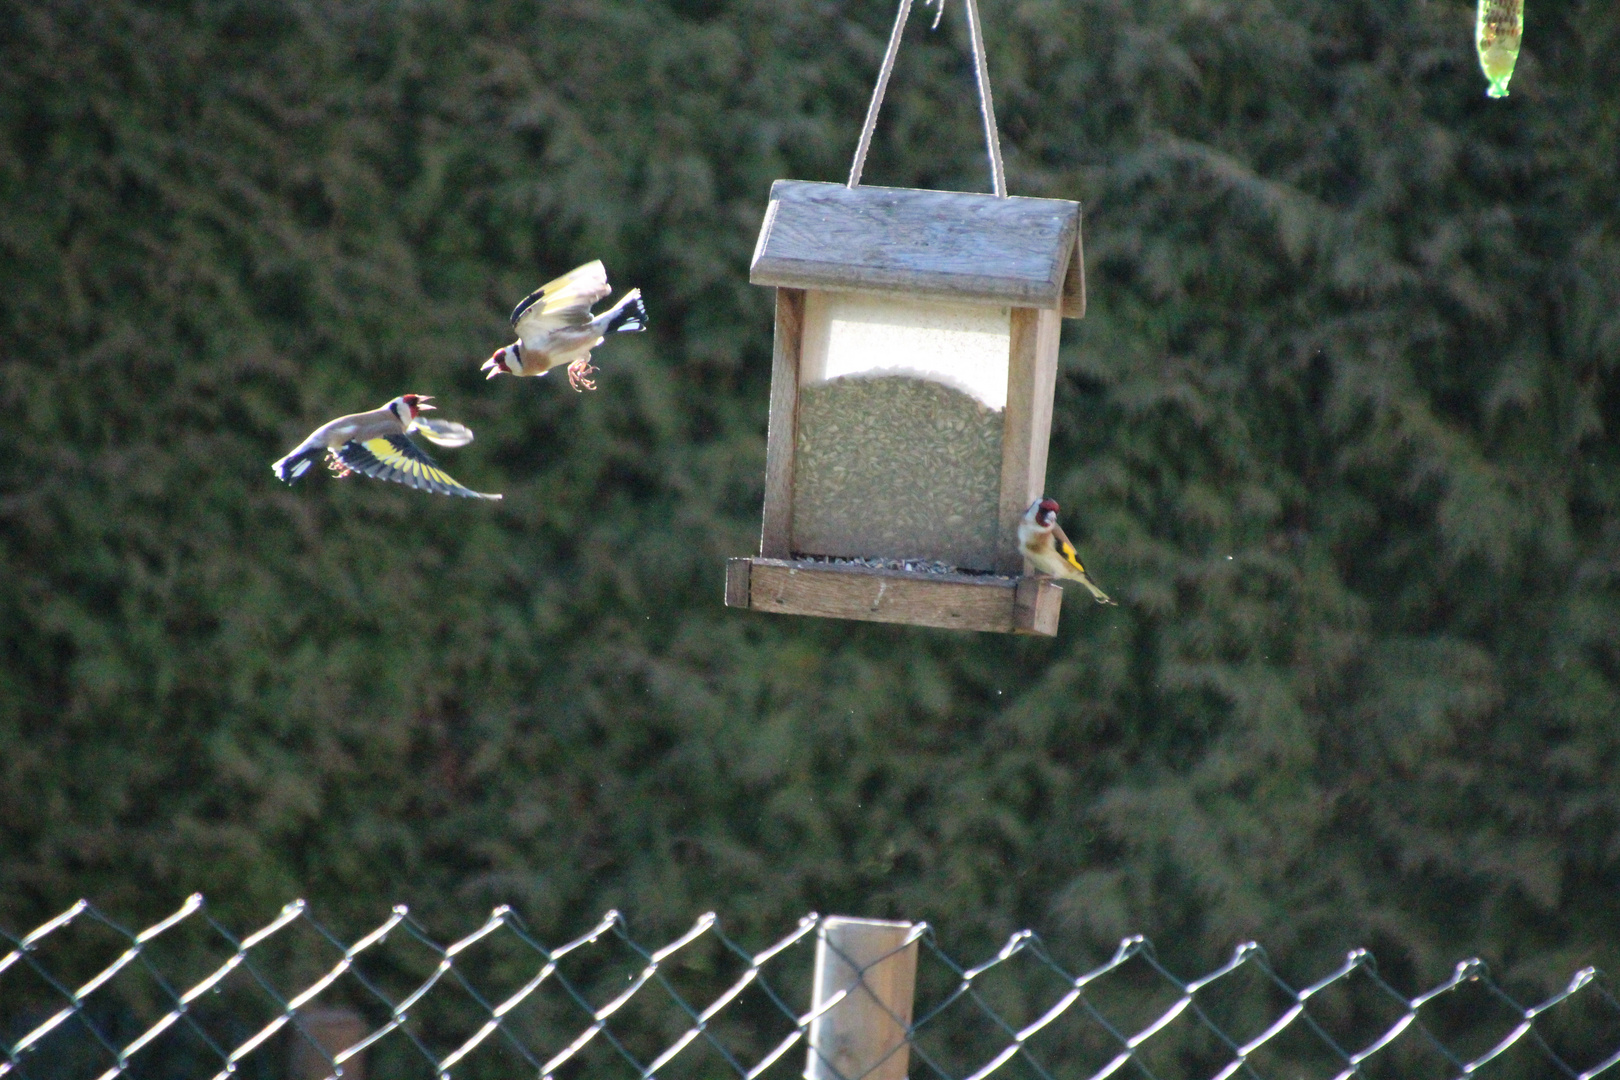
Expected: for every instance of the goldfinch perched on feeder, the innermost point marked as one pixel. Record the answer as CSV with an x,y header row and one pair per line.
x,y
1049,550
377,444
555,326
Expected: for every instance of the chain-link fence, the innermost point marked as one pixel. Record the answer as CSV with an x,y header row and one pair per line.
x,y
83,996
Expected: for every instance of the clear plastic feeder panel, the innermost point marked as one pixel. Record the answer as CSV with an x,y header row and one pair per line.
x,y
901,405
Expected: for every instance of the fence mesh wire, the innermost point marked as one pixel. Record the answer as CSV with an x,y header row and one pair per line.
x,y
83,996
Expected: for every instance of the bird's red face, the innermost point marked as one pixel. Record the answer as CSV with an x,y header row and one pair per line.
x,y
417,403
497,364
1046,513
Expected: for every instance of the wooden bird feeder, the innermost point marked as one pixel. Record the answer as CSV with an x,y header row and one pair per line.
x,y
911,402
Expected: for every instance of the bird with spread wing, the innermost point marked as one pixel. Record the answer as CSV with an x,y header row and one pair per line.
x,y
1046,546
378,444
555,326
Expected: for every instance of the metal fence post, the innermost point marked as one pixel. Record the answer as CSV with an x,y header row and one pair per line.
x,y
864,1034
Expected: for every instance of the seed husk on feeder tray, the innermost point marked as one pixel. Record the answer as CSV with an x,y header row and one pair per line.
x,y
897,466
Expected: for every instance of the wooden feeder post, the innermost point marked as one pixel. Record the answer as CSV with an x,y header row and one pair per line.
x,y
873,963
911,402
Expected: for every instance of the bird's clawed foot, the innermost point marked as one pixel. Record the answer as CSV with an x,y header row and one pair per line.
x,y
335,463
579,374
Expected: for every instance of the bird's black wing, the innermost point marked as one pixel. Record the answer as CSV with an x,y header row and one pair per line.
x,y
396,458
561,303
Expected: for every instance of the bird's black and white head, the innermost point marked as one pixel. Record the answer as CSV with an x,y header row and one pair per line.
x,y
507,360
409,406
1043,513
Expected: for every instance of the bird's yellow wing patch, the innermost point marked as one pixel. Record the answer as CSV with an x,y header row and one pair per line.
x,y
1066,549
563,302
396,458
1072,557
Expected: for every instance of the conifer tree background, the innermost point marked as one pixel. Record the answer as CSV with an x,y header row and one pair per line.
x,y
1339,430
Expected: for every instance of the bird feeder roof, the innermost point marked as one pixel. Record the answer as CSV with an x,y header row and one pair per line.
x,y
953,245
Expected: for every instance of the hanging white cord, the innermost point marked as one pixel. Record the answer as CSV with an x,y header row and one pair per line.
x,y
987,107
877,92
981,71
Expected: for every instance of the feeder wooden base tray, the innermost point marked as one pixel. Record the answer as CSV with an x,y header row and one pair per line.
x,y
840,591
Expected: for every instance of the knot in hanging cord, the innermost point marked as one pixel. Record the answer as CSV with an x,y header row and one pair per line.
x,y
981,71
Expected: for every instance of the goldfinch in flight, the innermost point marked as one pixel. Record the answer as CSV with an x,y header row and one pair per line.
x,y
1049,550
377,443
555,326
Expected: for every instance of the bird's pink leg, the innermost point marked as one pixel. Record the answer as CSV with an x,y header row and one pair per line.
x,y
579,373
335,463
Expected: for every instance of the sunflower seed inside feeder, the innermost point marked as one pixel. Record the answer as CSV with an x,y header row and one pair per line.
x,y
895,467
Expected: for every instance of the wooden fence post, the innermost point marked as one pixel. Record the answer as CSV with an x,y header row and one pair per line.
x,y
864,1034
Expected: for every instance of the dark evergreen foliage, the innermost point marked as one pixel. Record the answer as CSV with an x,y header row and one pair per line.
x,y
1338,431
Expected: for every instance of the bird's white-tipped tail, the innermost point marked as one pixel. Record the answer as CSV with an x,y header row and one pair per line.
x,y
1096,593
296,464
628,316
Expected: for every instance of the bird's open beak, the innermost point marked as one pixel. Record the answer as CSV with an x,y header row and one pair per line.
x,y
423,406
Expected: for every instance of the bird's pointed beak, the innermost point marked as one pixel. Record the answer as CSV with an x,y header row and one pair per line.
x,y
423,406
488,364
